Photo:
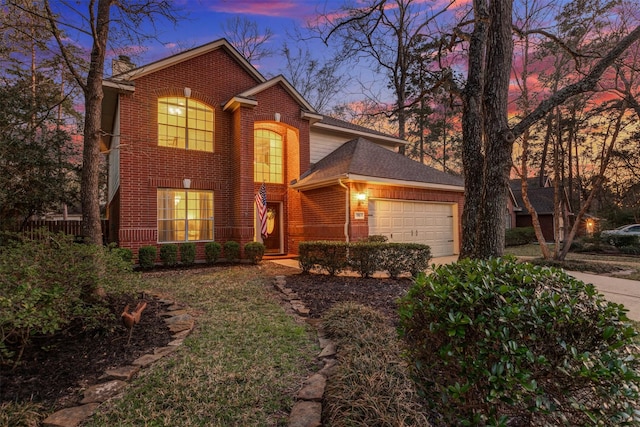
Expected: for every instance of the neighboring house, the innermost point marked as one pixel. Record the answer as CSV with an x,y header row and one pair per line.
x,y
542,200
192,138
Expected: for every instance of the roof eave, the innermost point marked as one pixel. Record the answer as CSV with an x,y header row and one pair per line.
x,y
377,180
237,101
367,135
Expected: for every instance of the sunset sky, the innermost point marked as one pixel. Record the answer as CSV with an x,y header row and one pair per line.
x,y
205,20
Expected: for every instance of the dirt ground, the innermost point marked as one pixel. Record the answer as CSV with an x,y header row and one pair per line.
x,y
56,369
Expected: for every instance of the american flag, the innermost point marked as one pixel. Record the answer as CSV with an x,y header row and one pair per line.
x,y
261,203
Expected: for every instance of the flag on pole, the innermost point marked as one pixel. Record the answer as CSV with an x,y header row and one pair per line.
x,y
261,203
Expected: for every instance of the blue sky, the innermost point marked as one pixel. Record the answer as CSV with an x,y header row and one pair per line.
x,y
205,19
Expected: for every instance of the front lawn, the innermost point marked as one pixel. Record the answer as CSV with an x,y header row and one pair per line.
x,y
241,366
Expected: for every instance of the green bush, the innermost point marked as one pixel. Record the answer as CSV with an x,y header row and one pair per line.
x,y
365,258
147,256
212,251
188,253
498,342
231,250
376,238
53,286
254,251
621,241
519,236
169,254
124,253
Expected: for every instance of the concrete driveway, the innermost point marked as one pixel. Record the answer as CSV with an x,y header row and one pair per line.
x,y
621,291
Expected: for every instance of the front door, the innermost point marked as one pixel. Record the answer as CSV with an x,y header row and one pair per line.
x,y
273,242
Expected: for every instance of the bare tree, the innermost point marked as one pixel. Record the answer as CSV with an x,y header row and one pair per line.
x,y
105,23
318,81
246,37
382,33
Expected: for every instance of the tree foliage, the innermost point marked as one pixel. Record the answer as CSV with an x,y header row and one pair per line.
x,y
36,172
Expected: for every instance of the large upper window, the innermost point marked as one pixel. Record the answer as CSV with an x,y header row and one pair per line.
x,y
185,215
185,123
268,159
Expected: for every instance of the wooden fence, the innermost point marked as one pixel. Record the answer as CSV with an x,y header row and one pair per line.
x,y
73,227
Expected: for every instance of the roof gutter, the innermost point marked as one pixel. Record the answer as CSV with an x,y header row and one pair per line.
x,y
346,213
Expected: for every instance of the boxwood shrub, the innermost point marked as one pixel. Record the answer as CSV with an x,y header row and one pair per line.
x,y
169,254
497,342
212,251
188,253
147,256
231,250
254,251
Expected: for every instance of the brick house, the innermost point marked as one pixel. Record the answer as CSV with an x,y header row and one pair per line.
x,y
192,138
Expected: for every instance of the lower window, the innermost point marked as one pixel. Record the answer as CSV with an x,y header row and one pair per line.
x,y
185,215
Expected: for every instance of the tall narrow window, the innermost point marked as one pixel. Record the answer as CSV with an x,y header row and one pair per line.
x,y
268,158
185,215
185,123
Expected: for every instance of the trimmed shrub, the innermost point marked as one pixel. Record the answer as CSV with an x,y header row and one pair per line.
x,y
231,250
519,236
188,253
254,251
365,258
147,256
376,238
169,254
212,251
55,286
125,253
496,342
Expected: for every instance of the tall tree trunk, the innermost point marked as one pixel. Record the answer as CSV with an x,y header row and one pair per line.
x,y
498,137
90,195
472,132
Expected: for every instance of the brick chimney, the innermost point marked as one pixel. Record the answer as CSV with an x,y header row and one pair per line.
x,y
121,65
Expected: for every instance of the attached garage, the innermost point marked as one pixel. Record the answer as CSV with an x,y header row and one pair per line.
x,y
403,221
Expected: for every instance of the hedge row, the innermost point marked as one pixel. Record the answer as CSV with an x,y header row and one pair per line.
x,y
254,251
365,258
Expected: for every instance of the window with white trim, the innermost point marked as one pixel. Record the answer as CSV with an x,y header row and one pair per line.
x,y
185,215
185,123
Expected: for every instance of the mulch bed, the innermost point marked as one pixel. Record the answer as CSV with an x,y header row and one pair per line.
x,y
54,371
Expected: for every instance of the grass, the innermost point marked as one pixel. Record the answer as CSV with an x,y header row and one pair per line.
x,y
626,267
371,385
241,366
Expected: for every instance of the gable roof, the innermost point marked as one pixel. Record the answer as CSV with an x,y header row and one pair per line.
x,y
152,67
362,160
252,92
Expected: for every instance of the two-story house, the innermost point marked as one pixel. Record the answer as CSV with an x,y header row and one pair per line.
x,y
192,138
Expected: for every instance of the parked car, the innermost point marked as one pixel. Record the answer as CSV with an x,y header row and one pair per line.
x,y
626,230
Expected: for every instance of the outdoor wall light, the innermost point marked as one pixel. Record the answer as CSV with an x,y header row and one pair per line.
x,y
361,197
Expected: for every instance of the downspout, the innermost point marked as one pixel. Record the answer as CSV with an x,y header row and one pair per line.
x,y
347,208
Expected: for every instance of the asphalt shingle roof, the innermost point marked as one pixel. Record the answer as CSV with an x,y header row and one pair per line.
x,y
362,157
541,199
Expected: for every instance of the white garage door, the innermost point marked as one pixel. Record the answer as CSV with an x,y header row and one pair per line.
x,y
414,222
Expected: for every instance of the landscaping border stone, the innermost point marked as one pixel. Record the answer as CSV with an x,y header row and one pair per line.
x,y
114,380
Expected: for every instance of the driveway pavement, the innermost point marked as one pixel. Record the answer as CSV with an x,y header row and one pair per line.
x,y
620,291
